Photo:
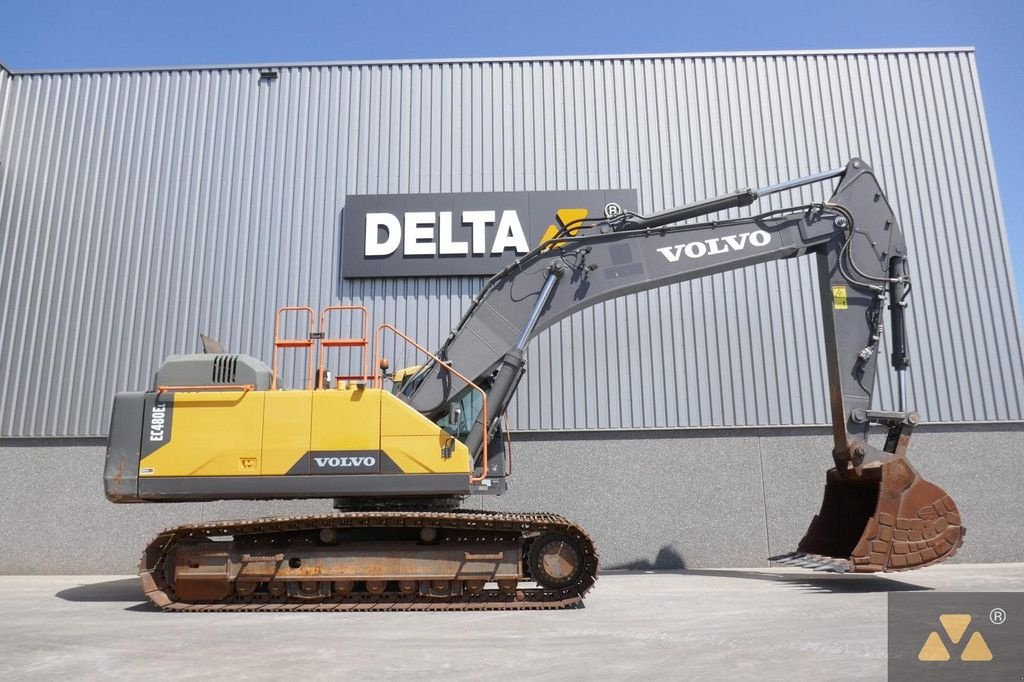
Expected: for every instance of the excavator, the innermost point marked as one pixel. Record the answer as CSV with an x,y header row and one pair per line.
x,y
400,451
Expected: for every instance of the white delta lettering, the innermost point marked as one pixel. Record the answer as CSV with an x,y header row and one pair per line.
x,y
424,233
157,423
715,246
345,461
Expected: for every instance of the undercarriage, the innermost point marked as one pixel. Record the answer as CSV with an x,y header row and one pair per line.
x,y
372,561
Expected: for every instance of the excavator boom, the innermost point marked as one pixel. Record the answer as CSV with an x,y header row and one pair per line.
x,y
878,513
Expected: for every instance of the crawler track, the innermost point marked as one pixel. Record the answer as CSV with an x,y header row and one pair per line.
x,y
158,585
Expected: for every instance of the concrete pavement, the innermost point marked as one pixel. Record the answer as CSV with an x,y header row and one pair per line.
x,y
697,624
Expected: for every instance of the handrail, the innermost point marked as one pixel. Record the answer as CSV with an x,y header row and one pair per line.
x,y
363,342
245,388
293,343
379,383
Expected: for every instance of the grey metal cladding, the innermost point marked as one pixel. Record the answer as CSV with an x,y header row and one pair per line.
x,y
138,208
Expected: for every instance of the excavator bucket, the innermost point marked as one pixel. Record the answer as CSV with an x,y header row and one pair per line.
x,y
885,518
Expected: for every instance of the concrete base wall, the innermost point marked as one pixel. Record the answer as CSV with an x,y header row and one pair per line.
x,y
693,499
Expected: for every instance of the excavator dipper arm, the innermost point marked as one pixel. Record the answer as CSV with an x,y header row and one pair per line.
x,y
878,513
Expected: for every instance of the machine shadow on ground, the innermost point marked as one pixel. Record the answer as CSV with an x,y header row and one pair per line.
x,y
670,561
121,590
837,584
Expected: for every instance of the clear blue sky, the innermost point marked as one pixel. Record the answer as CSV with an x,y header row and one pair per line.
x,y
44,34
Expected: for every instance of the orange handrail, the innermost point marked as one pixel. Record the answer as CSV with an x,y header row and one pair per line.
x,y
379,383
362,343
245,388
306,343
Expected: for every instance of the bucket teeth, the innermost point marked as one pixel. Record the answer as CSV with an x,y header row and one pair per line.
x,y
814,562
820,562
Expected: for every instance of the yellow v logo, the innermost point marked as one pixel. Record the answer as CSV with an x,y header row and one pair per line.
x,y
569,220
955,625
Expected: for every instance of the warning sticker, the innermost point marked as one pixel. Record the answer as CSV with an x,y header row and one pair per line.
x,y
839,297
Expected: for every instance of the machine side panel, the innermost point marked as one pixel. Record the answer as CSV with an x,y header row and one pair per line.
x,y
344,434
416,444
210,433
345,420
209,445
286,430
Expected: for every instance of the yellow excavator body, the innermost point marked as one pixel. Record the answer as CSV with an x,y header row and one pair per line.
x,y
285,432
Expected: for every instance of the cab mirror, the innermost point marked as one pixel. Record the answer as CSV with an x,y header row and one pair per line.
x,y
454,419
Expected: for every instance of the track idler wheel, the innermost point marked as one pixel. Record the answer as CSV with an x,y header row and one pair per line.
x,y
555,560
884,518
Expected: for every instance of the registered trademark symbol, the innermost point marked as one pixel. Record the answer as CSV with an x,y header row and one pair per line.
x,y
997,616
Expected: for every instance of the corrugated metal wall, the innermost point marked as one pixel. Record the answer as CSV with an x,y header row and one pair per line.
x,y
138,208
